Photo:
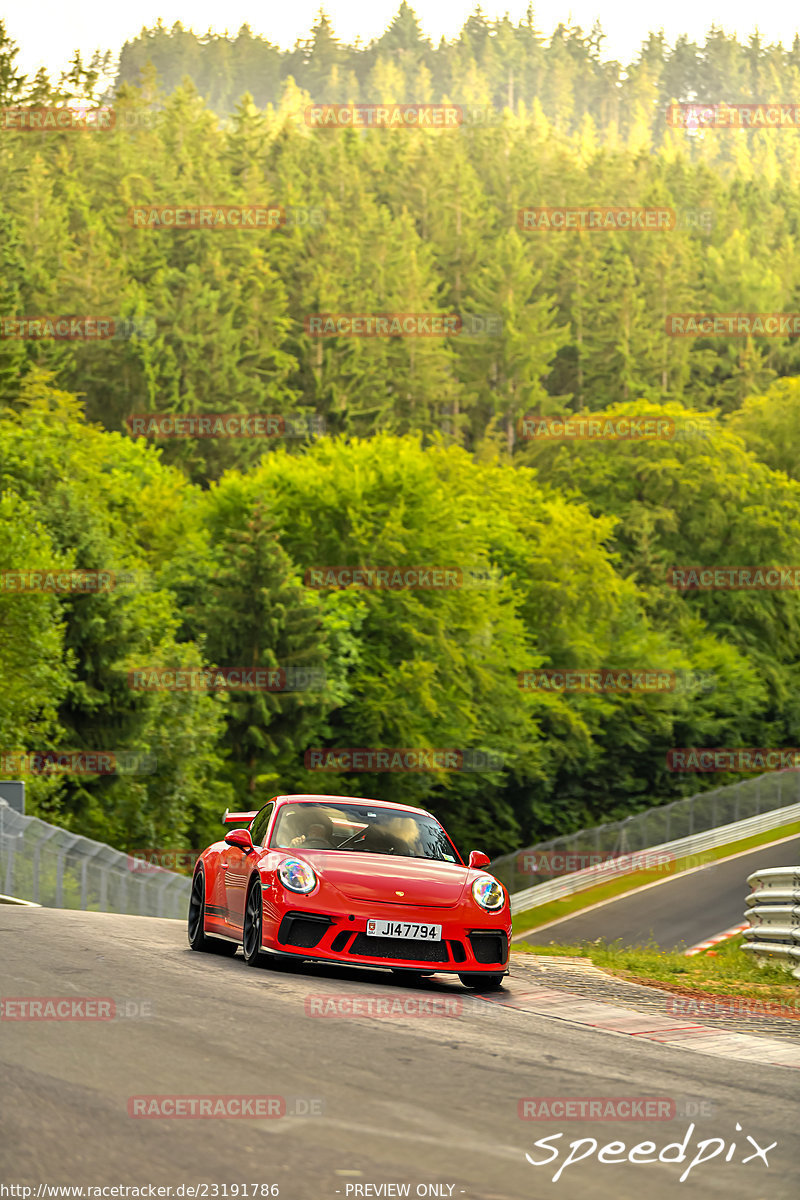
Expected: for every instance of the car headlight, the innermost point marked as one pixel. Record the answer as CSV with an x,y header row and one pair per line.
x,y
488,893
297,876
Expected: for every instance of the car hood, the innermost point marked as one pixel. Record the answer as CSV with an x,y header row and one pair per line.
x,y
380,877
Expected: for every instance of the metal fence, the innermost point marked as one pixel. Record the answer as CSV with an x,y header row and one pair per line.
x,y
58,869
667,823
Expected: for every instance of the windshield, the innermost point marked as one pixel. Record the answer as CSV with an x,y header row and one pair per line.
x,y
366,828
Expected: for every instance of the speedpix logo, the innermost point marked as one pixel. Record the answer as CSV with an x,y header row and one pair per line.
x,y
647,1152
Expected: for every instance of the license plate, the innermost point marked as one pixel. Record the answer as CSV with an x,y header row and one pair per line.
x,y
404,929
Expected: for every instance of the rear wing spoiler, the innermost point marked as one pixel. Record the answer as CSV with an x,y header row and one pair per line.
x,y
231,818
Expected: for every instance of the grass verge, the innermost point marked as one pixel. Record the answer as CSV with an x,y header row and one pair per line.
x,y
533,918
726,972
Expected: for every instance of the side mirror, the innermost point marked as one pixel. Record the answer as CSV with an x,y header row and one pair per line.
x,y
242,839
476,858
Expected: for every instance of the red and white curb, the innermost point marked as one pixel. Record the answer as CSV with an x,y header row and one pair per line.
x,y
734,931
596,1014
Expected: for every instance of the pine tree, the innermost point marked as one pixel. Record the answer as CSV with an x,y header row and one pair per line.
x,y
254,614
12,83
12,275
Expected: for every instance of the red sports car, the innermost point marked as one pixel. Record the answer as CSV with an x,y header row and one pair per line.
x,y
357,882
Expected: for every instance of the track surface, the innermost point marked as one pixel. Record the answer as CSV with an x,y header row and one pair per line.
x,y
675,914
405,1100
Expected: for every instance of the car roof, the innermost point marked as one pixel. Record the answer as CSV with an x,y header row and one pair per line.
x,y
302,798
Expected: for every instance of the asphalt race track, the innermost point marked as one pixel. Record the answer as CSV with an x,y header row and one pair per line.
x,y
677,913
404,1100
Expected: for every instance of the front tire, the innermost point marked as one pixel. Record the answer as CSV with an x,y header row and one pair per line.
x,y
253,924
482,983
198,938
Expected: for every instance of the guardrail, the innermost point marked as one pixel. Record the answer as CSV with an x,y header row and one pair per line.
x,y
566,885
773,911
656,826
54,868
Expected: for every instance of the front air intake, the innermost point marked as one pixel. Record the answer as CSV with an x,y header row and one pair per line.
x,y
489,946
302,929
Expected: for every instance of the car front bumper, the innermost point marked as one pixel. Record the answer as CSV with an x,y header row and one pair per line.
x,y
472,943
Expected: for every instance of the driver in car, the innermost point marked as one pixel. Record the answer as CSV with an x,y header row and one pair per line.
x,y
318,833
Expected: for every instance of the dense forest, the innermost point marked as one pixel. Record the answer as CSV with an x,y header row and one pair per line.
x,y
405,451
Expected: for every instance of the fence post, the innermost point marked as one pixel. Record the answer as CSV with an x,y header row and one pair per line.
x,y
12,843
63,851
85,877
36,856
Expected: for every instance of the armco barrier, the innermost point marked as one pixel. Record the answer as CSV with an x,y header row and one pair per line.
x,y
655,826
566,885
58,869
773,910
